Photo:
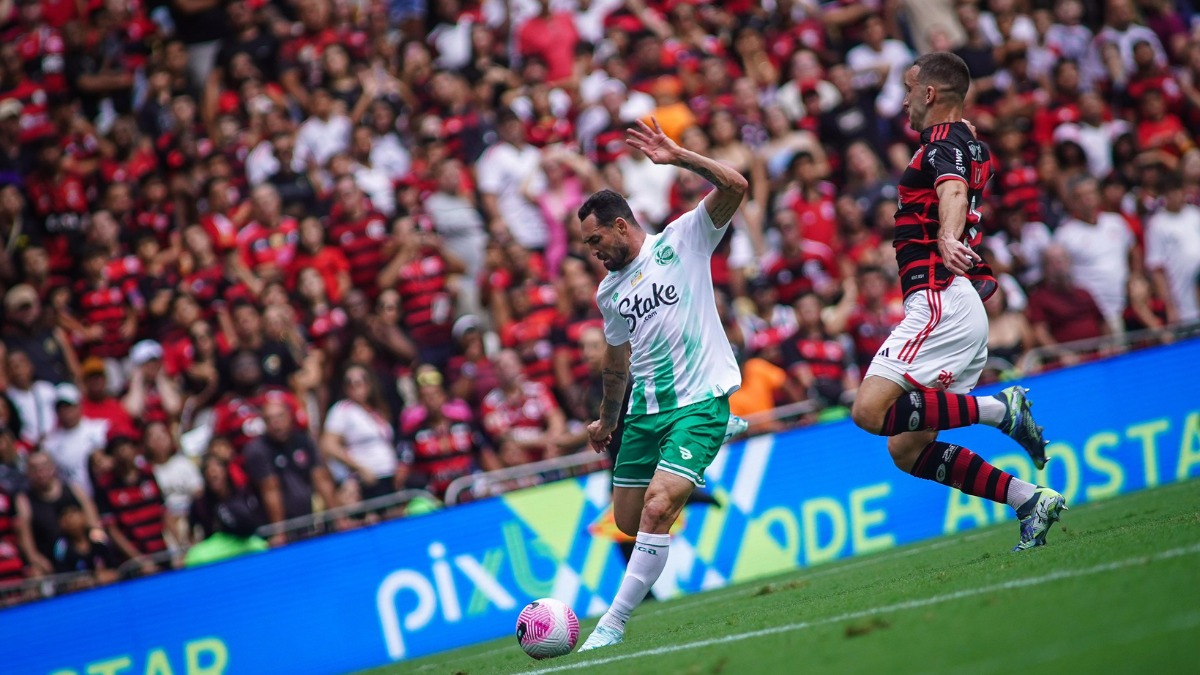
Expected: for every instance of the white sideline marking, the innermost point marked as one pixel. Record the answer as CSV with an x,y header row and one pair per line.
x,y
688,602
899,606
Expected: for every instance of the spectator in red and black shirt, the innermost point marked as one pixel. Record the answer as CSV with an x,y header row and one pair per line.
x,y
15,536
130,503
268,243
420,272
440,438
101,313
470,372
362,235
152,396
329,261
521,415
822,364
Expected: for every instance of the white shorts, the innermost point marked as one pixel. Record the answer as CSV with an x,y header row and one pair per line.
x,y
940,344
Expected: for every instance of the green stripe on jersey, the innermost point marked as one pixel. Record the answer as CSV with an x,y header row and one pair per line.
x,y
637,403
664,382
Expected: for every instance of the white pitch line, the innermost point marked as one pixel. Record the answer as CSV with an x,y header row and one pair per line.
x,y
899,606
688,602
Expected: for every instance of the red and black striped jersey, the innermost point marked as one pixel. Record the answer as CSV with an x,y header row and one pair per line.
x,y
1020,187
426,304
362,241
530,337
107,306
441,452
135,507
948,152
826,357
12,564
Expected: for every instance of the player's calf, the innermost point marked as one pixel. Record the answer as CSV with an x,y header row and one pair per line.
x,y
935,410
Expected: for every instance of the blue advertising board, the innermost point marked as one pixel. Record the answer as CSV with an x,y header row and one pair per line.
x,y
407,588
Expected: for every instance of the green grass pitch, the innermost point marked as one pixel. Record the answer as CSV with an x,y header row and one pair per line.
x,y
1117,590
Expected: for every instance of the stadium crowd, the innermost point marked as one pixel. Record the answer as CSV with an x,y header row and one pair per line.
x,y
265,256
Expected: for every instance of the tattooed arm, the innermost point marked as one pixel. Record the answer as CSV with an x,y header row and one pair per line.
x,y
731,185
616,376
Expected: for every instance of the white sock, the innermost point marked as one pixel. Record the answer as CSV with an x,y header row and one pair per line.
x,y
991,410
1019,492
647,562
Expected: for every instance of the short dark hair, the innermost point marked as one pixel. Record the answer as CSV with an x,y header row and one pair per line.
x,y
946,70
607,205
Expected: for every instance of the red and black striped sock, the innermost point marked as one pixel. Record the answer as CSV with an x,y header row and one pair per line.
x,y
930,411
962,469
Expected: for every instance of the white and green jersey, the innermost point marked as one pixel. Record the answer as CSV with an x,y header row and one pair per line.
x,y
662,302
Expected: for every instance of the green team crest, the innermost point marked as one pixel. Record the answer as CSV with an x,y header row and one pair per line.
x,y
664,255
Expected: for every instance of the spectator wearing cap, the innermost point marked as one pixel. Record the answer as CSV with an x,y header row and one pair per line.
x,y
286,469
359,435
441,439
130,504
26,329
502,173
152,395
75,438
470,372
100,405
48,496
33,399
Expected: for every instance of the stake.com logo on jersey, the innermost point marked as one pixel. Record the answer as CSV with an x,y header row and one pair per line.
x,y
642,308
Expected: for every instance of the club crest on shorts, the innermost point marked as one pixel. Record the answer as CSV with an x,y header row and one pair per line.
x,y
664,255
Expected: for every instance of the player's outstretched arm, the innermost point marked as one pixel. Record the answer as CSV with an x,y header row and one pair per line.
x,y
731,185
615,378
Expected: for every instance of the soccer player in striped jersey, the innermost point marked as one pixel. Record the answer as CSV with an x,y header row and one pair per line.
x,y
662,327
919,380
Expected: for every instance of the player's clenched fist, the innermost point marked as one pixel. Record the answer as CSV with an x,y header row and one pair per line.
x,y
599,436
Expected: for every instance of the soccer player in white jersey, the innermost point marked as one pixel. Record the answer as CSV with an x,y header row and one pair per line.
x,y
661,325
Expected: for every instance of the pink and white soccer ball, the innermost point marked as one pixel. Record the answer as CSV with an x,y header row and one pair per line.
x,y
547,628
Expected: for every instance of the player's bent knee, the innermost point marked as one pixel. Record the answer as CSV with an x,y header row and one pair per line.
x,y
868,417
906,448
659,512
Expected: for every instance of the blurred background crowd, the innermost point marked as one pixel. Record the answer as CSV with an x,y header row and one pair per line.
x,y
261,257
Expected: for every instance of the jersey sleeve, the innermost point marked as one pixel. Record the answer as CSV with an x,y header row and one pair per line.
x,y
945,161
616,328
696,230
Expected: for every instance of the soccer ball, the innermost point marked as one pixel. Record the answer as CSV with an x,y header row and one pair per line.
x,y
547,628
